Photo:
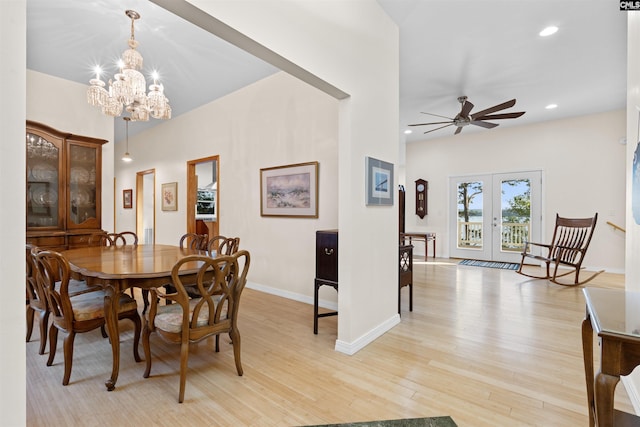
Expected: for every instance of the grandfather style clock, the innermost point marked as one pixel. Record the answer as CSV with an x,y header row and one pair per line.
x,y
421,197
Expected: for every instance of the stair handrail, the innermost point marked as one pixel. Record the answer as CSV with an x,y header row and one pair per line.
x,y
616,227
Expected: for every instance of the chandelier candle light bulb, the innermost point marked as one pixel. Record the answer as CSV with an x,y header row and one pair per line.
x,y
127,90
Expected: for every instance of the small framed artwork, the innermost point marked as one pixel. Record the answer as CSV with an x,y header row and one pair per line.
x,y
127,199
379,182
290,191
170,196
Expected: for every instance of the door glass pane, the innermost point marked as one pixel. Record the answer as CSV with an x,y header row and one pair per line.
x,y
470,215
82,184
515,213
42,182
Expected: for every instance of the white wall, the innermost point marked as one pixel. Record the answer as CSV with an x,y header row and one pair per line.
x,y
277,121
632,283
12,210
582,163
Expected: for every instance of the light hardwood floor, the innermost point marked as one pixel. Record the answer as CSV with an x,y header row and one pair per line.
x,y
487,347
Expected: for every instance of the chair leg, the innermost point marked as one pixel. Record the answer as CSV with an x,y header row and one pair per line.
x,y
68,356
235,341
184,359
135,318
146,331
44,324
53,343
30,316
145,300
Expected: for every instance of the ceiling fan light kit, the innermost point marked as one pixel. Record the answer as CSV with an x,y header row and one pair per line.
x,y
464,118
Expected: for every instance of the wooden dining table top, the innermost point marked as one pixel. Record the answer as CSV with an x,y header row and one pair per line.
x,y
128,262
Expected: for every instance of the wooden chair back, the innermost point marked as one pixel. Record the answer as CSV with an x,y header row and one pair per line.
x,y
114,239
222,245
568,248
194,241
220,282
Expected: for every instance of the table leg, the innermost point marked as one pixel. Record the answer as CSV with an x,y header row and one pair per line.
x,y
434,245
111,316
587,353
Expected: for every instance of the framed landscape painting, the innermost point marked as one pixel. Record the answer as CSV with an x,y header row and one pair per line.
x,y
290,191
379,182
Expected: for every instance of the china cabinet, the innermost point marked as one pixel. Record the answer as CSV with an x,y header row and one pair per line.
x,y
63,187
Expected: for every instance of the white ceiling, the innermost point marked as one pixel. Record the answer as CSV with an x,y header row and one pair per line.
x,y
488,50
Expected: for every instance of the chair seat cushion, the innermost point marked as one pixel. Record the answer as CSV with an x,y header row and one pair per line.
x,y
90,305
169,317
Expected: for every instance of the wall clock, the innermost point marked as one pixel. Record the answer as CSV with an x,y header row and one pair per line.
x,y
421,197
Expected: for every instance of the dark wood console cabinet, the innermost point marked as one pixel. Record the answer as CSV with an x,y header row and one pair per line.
x,y
326,269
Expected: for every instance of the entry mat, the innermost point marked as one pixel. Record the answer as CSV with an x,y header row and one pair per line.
x,y
490,264
409,422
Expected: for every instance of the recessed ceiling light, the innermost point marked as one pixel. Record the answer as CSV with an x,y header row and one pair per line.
x,y
551,106
548,31
408,131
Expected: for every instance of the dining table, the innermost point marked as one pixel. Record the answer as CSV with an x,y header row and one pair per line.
x,y
118,268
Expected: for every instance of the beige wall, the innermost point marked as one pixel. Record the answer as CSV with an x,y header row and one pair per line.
x,y
277,121
583,170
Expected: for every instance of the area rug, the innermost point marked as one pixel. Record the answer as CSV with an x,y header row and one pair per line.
x,y
490,264
408,422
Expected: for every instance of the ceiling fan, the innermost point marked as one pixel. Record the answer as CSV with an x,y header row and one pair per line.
x,y
463,118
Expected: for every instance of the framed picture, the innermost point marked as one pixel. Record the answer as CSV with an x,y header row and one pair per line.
x,y
379,182
290,191
127,198
170,196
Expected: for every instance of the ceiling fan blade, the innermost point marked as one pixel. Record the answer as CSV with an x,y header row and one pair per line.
x,y
432,123
501,116
433,130
437,115
493,109
484,124
466,109
458,130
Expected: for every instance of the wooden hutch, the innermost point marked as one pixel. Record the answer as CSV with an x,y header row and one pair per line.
x,y
63,187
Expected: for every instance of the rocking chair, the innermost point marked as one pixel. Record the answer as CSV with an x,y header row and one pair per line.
x,y
568,247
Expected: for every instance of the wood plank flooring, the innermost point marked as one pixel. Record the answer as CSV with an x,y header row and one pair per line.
x,y
487,347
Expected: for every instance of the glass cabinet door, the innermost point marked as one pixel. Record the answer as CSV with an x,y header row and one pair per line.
x,y
83,202
44,161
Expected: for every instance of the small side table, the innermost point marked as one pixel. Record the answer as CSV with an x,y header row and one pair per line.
x,y
615,316
426,237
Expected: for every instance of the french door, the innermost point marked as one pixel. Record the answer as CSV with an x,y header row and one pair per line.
x,y
492,215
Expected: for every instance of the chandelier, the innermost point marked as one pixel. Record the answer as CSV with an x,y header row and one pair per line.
x,y
127,90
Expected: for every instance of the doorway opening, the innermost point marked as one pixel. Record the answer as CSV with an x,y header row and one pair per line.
x,y
146,206
493,215
203,196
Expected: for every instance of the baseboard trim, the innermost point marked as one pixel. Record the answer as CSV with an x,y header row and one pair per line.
x,y
351,348
331,305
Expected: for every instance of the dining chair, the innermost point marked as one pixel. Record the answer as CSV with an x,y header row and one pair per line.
x,y
187,240
220,282
37,298
79,313
223,245
36,301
